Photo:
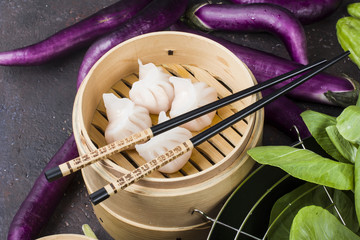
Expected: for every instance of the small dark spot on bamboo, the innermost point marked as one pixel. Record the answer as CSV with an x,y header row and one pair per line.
x,y
170,52
101,220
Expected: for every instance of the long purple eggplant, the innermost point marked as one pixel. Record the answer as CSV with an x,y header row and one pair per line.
x,y
156,16
307,11
75,36
43,198
284,114
254,18
323,88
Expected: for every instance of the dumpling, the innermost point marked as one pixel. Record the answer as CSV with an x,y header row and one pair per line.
x,y
189,96
164,142
125,118
153,90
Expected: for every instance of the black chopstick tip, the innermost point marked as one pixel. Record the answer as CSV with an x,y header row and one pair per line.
x,y
53,174
99,196
344,54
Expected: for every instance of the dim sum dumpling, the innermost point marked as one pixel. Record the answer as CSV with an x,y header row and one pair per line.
x,y
189,96
125,118
164,142
153,90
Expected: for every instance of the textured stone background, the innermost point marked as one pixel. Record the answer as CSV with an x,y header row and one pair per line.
x,y
36,102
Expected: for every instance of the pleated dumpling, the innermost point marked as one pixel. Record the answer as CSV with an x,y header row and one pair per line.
x,y
153,90
164,142
189,96
125,118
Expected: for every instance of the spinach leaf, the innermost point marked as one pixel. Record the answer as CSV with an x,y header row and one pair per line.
x,y
316,123
286,208
346,208
306,165
288,199
347,124
357,184
313,222
345,148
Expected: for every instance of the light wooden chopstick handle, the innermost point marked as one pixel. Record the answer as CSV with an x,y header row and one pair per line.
x,y
97,155
139,173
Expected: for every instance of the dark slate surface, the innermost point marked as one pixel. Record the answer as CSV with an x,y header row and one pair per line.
x,y
36,102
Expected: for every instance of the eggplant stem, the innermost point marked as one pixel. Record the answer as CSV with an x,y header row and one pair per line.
x,y
344,99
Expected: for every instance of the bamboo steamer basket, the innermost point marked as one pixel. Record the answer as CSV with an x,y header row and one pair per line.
x,y
67,236
160,205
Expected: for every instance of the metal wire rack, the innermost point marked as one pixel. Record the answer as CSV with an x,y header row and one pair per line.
x,y
239,233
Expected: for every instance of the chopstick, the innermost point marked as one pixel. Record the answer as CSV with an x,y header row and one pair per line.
x,y
140,137
149,167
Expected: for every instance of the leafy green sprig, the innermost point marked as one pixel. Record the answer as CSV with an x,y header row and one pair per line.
x,y
340,138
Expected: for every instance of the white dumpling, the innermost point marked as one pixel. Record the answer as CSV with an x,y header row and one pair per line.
x,y
125,118
153,90
189,96
163,143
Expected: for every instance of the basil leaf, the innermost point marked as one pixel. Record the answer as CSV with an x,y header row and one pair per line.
x,y
345,148
313,222
306,165
347,124
316,123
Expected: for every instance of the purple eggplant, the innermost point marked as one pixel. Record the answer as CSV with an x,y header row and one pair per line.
x,y
323,88
43,198
75,36
254,18
156,16
307,11
284,114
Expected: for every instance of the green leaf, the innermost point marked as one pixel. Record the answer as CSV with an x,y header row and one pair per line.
x,y
357,184
346,207
289,198
345,148
313,222
347,32
316,123
358,102
306,165
348,124
286,207
354,9
88,231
